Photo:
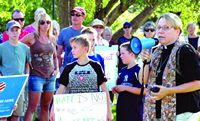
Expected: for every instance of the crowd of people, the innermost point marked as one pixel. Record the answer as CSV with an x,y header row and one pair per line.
x,y
162,88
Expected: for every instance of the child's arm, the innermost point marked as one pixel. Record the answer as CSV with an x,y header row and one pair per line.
x,y
60,90
109,112
134,90
27,68
55,59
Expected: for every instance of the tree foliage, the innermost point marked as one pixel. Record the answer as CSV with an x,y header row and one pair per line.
x,y
113,12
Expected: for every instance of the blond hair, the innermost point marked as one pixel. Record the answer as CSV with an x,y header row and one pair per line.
x,y
89,30
127,46
82,40
194,25
173,20
38,12
42,17
56,25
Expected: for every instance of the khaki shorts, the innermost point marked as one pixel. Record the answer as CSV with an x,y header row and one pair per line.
x,y
21,107
188,116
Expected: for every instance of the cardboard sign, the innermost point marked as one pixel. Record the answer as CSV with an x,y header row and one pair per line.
x,y
110,59
80,107
10,90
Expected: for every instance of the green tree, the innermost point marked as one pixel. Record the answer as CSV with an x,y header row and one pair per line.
x,y
7,6
113,12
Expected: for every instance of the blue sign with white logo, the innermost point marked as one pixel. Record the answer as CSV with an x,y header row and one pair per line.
x,y
10,90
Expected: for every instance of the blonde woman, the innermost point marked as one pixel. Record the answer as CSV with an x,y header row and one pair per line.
x,y
42,78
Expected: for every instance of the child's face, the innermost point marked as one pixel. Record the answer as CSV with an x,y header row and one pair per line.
x,y
92,38
126,56
78,50
14,33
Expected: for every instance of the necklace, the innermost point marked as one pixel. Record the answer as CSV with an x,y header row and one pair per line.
x,y
162,62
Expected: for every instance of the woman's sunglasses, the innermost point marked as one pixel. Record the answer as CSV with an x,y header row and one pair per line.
x,y
42,22
149,30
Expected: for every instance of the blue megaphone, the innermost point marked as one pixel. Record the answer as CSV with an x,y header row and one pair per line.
x,y
137,45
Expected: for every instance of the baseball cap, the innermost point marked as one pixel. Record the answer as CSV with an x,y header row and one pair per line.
x,y
97,22
12,24
79,9
127,24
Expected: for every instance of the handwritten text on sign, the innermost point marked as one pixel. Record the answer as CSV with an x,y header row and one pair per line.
x,y
110,59
80,107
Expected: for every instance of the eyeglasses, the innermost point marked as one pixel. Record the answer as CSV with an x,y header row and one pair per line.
x,y
42,22
164,28
18,19
149,30
77,15
98,27
127,27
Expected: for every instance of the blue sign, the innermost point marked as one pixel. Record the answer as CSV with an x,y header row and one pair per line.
x,y
10,90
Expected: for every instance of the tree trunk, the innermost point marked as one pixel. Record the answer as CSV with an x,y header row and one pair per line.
x,y
101,13
117,11
65,6
138,20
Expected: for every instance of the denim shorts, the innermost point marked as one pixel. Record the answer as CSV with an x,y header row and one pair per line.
x,y
40,84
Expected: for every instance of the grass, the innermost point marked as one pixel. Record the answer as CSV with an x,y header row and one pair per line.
x,y
114,112
114,108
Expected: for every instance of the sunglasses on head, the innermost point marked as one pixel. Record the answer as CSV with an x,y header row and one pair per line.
x,y
149,30
125,27
18,19
42,22
77,15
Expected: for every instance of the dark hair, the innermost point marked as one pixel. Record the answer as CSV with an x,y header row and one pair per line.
x,y
128,47
17,11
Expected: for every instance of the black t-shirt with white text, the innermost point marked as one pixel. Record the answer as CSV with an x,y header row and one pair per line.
x,y
82,78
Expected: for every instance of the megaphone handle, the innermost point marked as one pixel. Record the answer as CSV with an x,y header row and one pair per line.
x,y
145,62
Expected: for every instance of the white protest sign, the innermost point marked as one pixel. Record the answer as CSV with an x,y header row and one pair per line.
x,y
80,107
110,60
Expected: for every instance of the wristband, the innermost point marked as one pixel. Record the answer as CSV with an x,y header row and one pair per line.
x,y
147,62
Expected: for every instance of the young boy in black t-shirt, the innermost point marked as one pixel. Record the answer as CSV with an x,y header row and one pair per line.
x,y
83,75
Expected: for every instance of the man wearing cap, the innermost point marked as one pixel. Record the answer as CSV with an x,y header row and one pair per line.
x,y
127,27
18,16
99,26
77,17
19,53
